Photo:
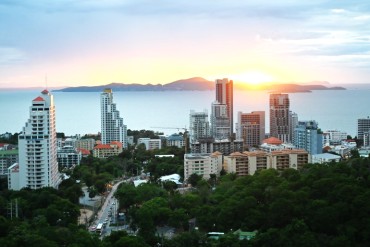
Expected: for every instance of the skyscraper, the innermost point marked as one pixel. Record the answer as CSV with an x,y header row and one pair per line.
x,y
279,117
251,128
38,165
225,95
199,125
112,127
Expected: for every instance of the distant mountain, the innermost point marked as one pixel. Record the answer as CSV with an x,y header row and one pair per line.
x,y
291,88
195,83
201,84
286,87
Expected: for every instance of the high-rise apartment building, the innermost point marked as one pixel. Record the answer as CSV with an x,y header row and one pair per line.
x,y
363,125
225,95
220,122
279,117
199,125
112,127
38,165
251,128
308,137
293,122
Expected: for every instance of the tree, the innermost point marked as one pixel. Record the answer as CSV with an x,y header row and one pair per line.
x,y
194,179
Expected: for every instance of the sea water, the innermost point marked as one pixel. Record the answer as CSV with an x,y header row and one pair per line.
x,y
79,112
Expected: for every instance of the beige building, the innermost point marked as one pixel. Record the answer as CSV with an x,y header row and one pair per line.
x,y
247,163
202,164
87,144
295,159
107,150
150,144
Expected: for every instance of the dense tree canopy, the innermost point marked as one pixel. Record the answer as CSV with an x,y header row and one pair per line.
x,y
319,205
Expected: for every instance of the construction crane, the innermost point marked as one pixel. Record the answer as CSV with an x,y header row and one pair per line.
x,y
178,129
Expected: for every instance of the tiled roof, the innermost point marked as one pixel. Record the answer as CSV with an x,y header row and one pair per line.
x,y
39,99
84,151
116,143
272,141
102,146
45,91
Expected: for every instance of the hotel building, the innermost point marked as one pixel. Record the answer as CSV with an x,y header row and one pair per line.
x,y
38,165
112,127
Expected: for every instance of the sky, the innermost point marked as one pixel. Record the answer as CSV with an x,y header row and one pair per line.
x,y
93,42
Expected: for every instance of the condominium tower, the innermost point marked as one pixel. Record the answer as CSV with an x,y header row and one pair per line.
x,y
279,117
363,126
112,127
251,128
225,95
220,122
38,165
308,136
199,125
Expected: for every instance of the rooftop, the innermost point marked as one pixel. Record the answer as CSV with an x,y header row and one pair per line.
x,y
39,99
273,141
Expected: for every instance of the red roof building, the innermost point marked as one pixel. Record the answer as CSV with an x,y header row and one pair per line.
x,y
107,150
84,152
272,141
39,99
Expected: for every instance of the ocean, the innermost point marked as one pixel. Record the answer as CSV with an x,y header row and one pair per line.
x,y
79,113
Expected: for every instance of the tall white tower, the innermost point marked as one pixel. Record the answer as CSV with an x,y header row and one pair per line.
x,y
112,127
38,165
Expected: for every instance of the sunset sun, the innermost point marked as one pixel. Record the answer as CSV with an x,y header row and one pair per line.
x,y
253,77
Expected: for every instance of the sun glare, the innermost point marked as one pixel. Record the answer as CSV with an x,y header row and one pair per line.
x,y
253,77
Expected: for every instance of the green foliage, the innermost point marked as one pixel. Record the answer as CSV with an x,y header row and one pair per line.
x,y
142,134
194,179
45,218
12,140
320,205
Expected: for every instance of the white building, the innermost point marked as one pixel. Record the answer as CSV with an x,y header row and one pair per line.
x,y
175,140
202,164
325,158
199,125
112,127
335,136
150,144
13,177
38,165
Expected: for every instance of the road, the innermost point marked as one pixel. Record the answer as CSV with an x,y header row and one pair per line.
x,y
108,212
